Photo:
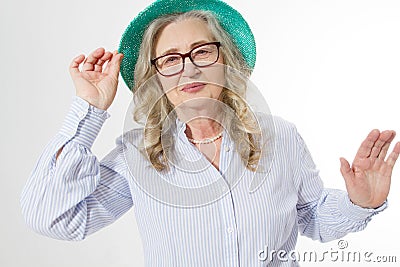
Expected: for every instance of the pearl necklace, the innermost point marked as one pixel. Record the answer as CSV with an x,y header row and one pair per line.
x,y
207,140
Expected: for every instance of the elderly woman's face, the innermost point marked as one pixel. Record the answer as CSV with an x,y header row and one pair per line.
x,y
193,82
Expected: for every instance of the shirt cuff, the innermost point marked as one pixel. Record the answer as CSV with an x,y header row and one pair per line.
x,y
355,212
83,122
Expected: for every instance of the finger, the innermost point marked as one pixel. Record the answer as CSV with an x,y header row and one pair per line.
x,y
366,146
384,138
386,145
114,65
98,66
91,60
394,155
114,58
74,66
346,171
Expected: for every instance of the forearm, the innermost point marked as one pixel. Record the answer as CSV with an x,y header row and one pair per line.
x,y
333,216
60,194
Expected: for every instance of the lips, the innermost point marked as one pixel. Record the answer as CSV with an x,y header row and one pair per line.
x,y
193,87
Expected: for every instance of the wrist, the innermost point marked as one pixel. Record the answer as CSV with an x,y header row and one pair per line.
x,y
83,122
98,104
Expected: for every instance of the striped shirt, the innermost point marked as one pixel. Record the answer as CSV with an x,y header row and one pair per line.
x,y
192,214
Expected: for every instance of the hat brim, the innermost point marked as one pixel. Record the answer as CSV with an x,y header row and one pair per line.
x,y
230,19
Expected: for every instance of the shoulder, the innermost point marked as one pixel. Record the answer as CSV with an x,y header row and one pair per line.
x,y
127,145
276,125
132,137
280,134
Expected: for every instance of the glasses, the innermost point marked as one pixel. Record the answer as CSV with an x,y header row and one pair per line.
x,y
203,55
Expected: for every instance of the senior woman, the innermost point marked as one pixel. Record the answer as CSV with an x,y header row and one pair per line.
x,y
188,171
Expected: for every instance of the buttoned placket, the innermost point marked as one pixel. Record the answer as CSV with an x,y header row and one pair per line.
x,y
225,204
227,207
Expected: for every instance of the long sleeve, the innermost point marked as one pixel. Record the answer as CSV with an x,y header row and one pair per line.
x,y
76,195
325,214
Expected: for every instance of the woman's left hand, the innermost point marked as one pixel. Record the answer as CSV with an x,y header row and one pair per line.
x,y
368,179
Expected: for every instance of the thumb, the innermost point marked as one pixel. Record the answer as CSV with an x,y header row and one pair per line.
x,y
345,170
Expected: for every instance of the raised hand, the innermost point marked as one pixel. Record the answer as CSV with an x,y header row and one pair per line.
x,y
97,80
368,178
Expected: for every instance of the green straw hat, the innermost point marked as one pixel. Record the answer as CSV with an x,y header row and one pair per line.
x,y
230,19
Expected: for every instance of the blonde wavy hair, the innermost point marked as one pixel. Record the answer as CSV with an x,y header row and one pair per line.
x,y
152,107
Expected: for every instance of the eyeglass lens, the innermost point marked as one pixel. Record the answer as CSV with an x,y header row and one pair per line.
x,y
201,56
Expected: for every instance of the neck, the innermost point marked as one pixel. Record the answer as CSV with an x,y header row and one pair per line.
x,y
203,128
202,121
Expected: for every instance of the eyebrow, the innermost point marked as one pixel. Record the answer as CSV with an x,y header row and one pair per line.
x,y
175,50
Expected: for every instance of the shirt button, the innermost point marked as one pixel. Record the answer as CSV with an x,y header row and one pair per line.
x,y
227,148
81,115
230,230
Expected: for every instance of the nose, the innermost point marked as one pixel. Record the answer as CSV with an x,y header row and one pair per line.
x,y
189,69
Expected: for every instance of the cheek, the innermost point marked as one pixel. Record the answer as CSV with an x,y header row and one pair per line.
x,y
173,97
167,83
216,75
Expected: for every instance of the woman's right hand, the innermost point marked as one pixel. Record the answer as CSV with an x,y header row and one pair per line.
x,y
93,83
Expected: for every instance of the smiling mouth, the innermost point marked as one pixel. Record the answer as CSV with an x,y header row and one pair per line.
x,y
193,87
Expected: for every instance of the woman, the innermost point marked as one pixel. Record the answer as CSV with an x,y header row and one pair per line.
x,y
189,170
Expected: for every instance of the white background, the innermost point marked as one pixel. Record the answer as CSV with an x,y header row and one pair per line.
x,y
331,67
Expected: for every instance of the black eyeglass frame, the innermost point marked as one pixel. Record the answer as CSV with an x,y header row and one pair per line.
x,y
183,56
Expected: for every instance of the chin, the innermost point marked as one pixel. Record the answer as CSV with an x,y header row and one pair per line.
x,y
198,106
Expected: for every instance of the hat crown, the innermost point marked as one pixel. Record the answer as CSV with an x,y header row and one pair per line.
x,y
229,18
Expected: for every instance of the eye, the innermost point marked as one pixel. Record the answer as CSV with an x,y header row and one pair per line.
x,y
201,53
170,60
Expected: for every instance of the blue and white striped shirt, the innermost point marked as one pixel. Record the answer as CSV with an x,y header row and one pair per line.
x,y
77,195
